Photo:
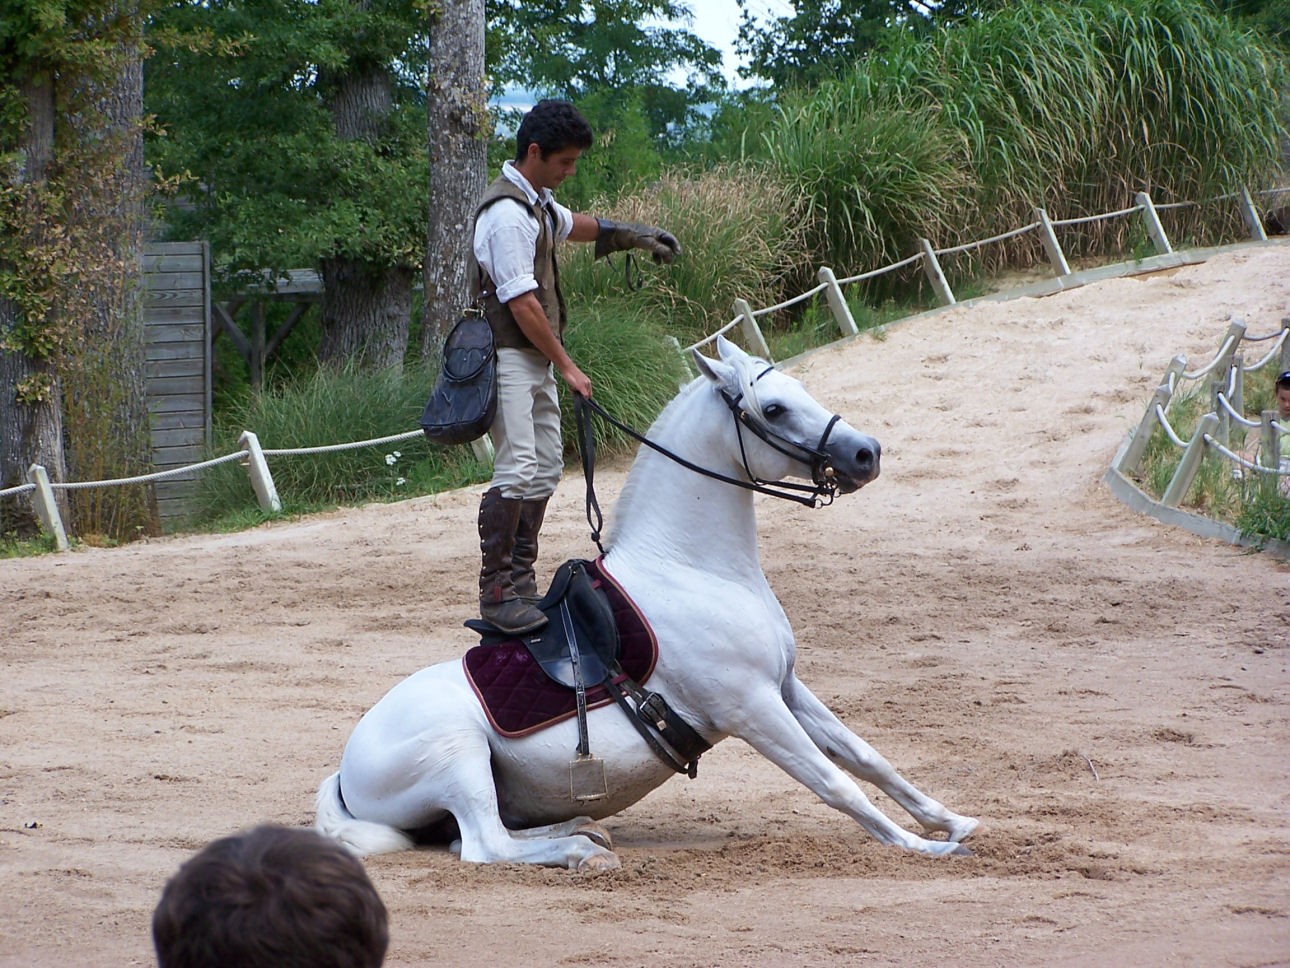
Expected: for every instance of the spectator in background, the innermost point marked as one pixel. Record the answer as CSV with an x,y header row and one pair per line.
x,y
274,897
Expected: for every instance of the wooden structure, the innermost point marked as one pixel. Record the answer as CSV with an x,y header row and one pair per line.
x,y
301,287
177,334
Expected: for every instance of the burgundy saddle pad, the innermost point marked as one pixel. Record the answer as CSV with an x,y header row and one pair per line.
x,y
516,694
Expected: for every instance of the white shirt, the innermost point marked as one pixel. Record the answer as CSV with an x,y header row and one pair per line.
x,y
506,237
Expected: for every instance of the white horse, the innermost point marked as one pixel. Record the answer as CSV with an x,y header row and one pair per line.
x,y
685,549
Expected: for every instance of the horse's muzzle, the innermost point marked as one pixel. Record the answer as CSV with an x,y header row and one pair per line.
x,y
854,468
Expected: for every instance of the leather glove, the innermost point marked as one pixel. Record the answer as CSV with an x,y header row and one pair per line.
x,y
616,236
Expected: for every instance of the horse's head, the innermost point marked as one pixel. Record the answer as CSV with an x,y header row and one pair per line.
x,y
789,430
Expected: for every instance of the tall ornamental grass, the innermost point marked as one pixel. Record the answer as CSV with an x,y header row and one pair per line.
x,y
877,173
1073,107
743,232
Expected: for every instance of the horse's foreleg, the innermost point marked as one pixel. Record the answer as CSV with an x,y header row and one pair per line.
x,y
838,743
771,728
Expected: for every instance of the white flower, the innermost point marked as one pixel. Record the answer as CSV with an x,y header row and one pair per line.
x,y
400,482
398,454
390,459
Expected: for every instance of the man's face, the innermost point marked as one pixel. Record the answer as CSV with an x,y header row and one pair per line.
x,y
1283,402
550,171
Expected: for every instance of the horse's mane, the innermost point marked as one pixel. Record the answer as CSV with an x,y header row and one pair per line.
x,y
745,365
629,494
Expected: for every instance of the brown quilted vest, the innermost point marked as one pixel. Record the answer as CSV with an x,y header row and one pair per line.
x,y
507,332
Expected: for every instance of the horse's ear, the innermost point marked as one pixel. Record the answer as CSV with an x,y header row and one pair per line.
x,y
718,371
728,350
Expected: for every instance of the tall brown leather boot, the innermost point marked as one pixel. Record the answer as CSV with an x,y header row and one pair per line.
x,y
498,519
524,555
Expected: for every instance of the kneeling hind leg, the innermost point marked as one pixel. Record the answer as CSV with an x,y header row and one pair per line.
x,y
470,795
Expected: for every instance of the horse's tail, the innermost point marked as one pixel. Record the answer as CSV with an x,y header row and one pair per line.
x,y
363,837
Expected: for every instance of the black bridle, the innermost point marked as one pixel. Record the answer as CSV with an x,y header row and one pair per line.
x,y
819,493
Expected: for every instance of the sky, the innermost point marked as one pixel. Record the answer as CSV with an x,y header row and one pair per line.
x,y
717,22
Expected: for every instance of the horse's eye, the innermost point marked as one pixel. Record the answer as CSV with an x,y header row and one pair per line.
x,y
773,411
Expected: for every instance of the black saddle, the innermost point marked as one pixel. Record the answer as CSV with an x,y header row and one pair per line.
x,y
576,611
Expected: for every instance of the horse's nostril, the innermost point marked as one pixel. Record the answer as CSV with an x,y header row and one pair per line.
x,y
867,460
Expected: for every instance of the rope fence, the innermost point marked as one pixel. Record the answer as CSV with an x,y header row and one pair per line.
x,y
42,490
1223,379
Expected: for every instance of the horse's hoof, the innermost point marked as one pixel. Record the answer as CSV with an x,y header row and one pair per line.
x,y
596,834
961,828
598,862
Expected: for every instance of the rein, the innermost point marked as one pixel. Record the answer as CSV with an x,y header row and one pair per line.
x,y
818,494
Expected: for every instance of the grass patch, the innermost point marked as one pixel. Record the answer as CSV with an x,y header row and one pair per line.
x,y
12,546
1249,501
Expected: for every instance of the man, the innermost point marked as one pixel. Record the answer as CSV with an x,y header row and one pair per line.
x,y
514,276
275,897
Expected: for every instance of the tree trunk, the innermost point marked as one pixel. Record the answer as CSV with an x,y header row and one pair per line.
x,y
105,391
365,308
365,314
458,128
31,431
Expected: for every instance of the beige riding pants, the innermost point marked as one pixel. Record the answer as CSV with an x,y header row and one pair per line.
x,y
529,456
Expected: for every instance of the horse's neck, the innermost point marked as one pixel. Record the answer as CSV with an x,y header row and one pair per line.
x,y
669,515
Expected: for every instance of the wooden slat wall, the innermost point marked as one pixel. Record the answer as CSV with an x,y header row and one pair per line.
x,y
177,333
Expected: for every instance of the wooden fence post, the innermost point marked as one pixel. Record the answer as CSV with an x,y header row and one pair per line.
x,y
837,302
1285,344
1269,440
752,332
42,499
1132,455
1180,483
482,448
1054,249
258,468
1250,215
937,278
1220,377
1154,228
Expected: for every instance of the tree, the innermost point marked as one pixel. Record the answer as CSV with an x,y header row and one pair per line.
x,y
457,116
303,131
70,232
31,425
572,48
823,37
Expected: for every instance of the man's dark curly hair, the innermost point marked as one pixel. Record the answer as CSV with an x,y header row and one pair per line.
x,y
274,897
552,125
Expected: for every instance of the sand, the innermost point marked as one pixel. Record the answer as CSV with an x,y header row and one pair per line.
x,y
1108,694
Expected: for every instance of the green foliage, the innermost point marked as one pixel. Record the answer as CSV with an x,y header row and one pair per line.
x,y
12,546
334,406
623,157
241,90
634,372
625,48
1255,504
959,135
879,173
741,232
1078,106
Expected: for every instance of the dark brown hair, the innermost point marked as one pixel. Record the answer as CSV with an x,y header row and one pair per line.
x,y
274,897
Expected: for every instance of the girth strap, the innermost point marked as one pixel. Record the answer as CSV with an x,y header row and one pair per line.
x,y
671,738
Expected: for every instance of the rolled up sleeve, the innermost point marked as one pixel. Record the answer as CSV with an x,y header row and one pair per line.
x,y
504,246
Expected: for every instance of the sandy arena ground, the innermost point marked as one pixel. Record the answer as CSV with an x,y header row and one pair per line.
x,y
1109,695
